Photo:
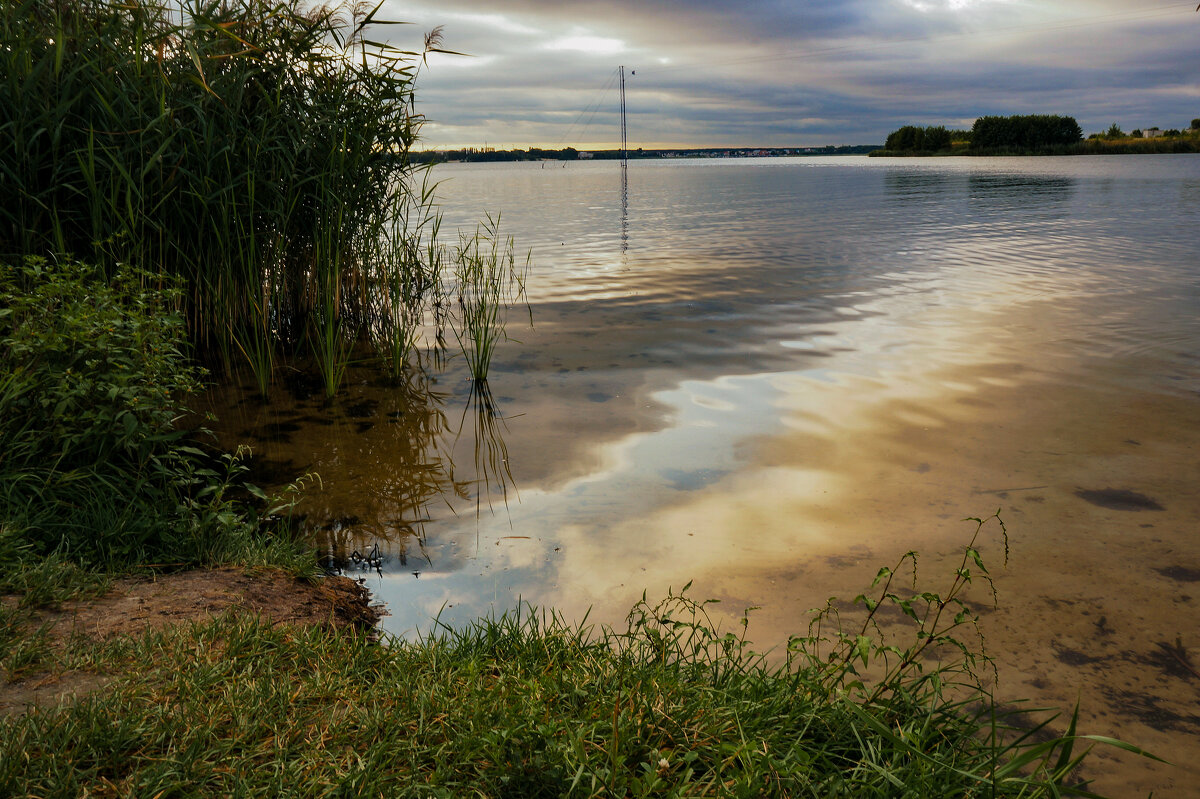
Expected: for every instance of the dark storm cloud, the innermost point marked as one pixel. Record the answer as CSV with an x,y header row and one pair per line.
x,y
790,72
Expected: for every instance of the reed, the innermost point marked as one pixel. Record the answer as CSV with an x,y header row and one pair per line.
x,y
488,280
408,296
257,149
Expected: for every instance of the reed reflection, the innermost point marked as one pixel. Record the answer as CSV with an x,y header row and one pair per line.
x,y
378,482
492,469
393,458
929,185
419,473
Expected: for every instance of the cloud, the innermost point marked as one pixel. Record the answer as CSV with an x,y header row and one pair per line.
x,y
793,72
929,6
584,43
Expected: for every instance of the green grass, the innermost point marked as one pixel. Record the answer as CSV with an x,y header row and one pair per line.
x,y
519,705
526,705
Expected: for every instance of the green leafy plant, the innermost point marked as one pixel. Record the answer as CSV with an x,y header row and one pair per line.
x,y
94,466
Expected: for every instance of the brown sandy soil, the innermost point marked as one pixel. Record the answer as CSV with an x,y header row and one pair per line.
x,y
137,605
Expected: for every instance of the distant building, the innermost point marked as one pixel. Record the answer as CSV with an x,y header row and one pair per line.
x,y
1151,133
585,156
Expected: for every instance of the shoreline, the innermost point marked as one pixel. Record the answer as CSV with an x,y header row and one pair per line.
x,y
1090,147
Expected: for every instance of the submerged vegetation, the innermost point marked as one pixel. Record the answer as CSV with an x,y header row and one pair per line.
x,y
257,151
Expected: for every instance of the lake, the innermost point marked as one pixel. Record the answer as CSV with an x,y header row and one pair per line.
x,y
770,377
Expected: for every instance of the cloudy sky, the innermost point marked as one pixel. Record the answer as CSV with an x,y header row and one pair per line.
x,y
715,73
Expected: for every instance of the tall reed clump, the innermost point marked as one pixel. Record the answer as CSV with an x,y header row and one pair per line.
x,y
257,149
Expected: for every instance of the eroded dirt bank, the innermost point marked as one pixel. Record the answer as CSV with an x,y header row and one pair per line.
x,y
136,605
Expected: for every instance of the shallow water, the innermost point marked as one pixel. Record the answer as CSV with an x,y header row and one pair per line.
x,y
772,376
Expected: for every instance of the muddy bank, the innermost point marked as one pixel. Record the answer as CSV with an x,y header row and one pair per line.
x,y
138,605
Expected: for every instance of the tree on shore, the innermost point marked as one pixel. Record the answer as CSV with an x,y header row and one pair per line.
x,y
1032,131
913,138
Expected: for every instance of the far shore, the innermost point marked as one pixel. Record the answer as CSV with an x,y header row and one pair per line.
x,y
1158,146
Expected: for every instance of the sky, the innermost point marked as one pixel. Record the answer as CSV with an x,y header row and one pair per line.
x,y
790,73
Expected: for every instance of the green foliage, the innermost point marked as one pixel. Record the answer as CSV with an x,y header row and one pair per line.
x,y
256,149
92,465
1157,145
1024,131
1114,132
526,705
914,138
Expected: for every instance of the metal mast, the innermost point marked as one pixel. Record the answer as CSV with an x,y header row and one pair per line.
x,y
624,172
624,136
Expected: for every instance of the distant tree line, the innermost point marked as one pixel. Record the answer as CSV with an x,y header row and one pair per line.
x,y
1115,132
472,154
489,155
912,138
1025,132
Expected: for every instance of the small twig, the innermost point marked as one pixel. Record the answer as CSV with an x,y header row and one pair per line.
x,y
1179,653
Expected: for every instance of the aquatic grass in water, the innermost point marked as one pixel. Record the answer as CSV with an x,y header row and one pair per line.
x,y
525,704
410,290
488,279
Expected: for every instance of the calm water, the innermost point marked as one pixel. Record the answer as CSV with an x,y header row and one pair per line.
x,y
772,376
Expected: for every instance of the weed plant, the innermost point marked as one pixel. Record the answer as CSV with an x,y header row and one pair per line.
x,y
255,149
527,705
94,470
